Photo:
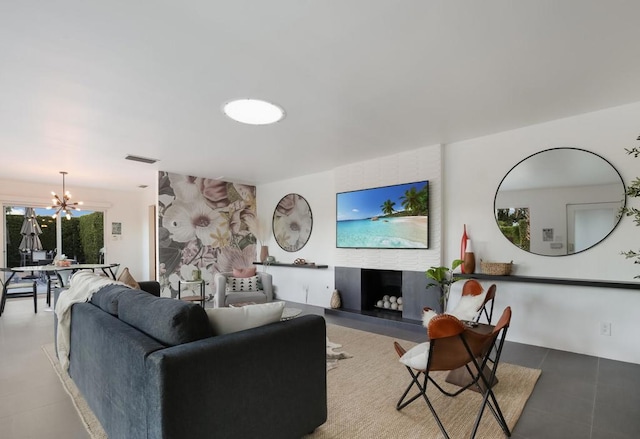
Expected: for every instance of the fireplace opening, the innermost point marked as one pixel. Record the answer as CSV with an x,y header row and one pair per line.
x,y
376,284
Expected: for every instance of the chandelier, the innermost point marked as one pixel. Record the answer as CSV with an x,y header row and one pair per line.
x,y
63,205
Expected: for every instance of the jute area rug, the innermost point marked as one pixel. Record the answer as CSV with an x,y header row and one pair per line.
x,y
364,389
87,417
363,392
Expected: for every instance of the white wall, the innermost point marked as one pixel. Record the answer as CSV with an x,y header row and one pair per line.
x,y
303,285
407,167
554,316
560,317
129,208
315,286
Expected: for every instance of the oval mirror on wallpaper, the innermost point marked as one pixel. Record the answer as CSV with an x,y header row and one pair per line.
x,y
292,222
559,201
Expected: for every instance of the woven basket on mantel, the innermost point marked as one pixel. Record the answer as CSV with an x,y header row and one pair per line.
x,y
496,268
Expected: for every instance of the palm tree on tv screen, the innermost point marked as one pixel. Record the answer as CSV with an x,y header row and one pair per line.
x,y
415,201
387,207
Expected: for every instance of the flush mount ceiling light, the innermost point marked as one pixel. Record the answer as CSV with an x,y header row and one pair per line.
x,y
253,111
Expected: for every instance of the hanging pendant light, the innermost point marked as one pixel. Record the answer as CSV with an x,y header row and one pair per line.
x,y
63,205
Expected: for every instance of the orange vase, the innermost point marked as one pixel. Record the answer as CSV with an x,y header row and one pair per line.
x,y
463,249
469,260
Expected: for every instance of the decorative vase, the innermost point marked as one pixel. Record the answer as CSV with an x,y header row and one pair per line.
x,y
444,297
463,248
469,260
336,302
264,253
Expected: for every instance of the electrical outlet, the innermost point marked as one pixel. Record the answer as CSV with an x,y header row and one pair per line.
x,y
605,328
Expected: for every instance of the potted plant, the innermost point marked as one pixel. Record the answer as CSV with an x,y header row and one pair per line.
x,y
633,191
443,278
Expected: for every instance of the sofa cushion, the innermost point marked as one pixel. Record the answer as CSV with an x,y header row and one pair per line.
x,y
235,284
106,298
227,320
170,321
245,297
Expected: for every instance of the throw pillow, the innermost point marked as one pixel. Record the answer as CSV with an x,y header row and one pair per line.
x,y
227,320
416,357
244,272
467,307
427,316
235,284
126,278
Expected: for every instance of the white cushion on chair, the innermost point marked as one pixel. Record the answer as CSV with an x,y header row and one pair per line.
x,y
417,357
467,307
427,316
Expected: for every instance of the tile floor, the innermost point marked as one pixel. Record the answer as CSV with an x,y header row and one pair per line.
x,y
577,396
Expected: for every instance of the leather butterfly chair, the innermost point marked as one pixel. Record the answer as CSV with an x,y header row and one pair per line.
x,y
487,309
453,345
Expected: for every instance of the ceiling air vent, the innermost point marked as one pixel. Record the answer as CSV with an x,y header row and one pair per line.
x,y
136,158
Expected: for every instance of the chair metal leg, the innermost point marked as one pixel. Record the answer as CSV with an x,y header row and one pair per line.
x,y
415,381
422,392
435,415
3,301
488,393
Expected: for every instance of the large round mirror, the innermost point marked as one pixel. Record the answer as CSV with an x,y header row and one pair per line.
x,y
559,201
292,222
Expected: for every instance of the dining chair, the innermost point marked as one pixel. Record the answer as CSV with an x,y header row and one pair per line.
x,y
453,345
12,289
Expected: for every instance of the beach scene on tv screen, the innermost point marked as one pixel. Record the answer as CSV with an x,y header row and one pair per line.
x,y
385,217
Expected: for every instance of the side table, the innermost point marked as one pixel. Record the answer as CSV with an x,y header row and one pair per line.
x,y
189,284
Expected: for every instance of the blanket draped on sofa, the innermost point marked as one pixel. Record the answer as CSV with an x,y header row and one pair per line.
x,y
83,285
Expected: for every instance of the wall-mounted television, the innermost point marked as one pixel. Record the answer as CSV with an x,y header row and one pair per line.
x,y
394,217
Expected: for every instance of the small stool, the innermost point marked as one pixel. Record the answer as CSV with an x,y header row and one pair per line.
x,y
189,283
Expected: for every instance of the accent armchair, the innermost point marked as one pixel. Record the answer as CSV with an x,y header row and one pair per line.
x,y
230,289
451,346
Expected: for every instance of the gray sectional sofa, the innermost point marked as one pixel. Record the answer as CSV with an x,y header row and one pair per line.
x,y
149,367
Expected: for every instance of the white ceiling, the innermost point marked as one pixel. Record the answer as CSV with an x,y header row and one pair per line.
x,y
84,83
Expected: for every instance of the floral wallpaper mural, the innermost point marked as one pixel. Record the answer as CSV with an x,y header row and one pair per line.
x,y
204,225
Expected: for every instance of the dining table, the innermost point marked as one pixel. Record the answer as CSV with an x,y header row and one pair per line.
x,y
107,269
